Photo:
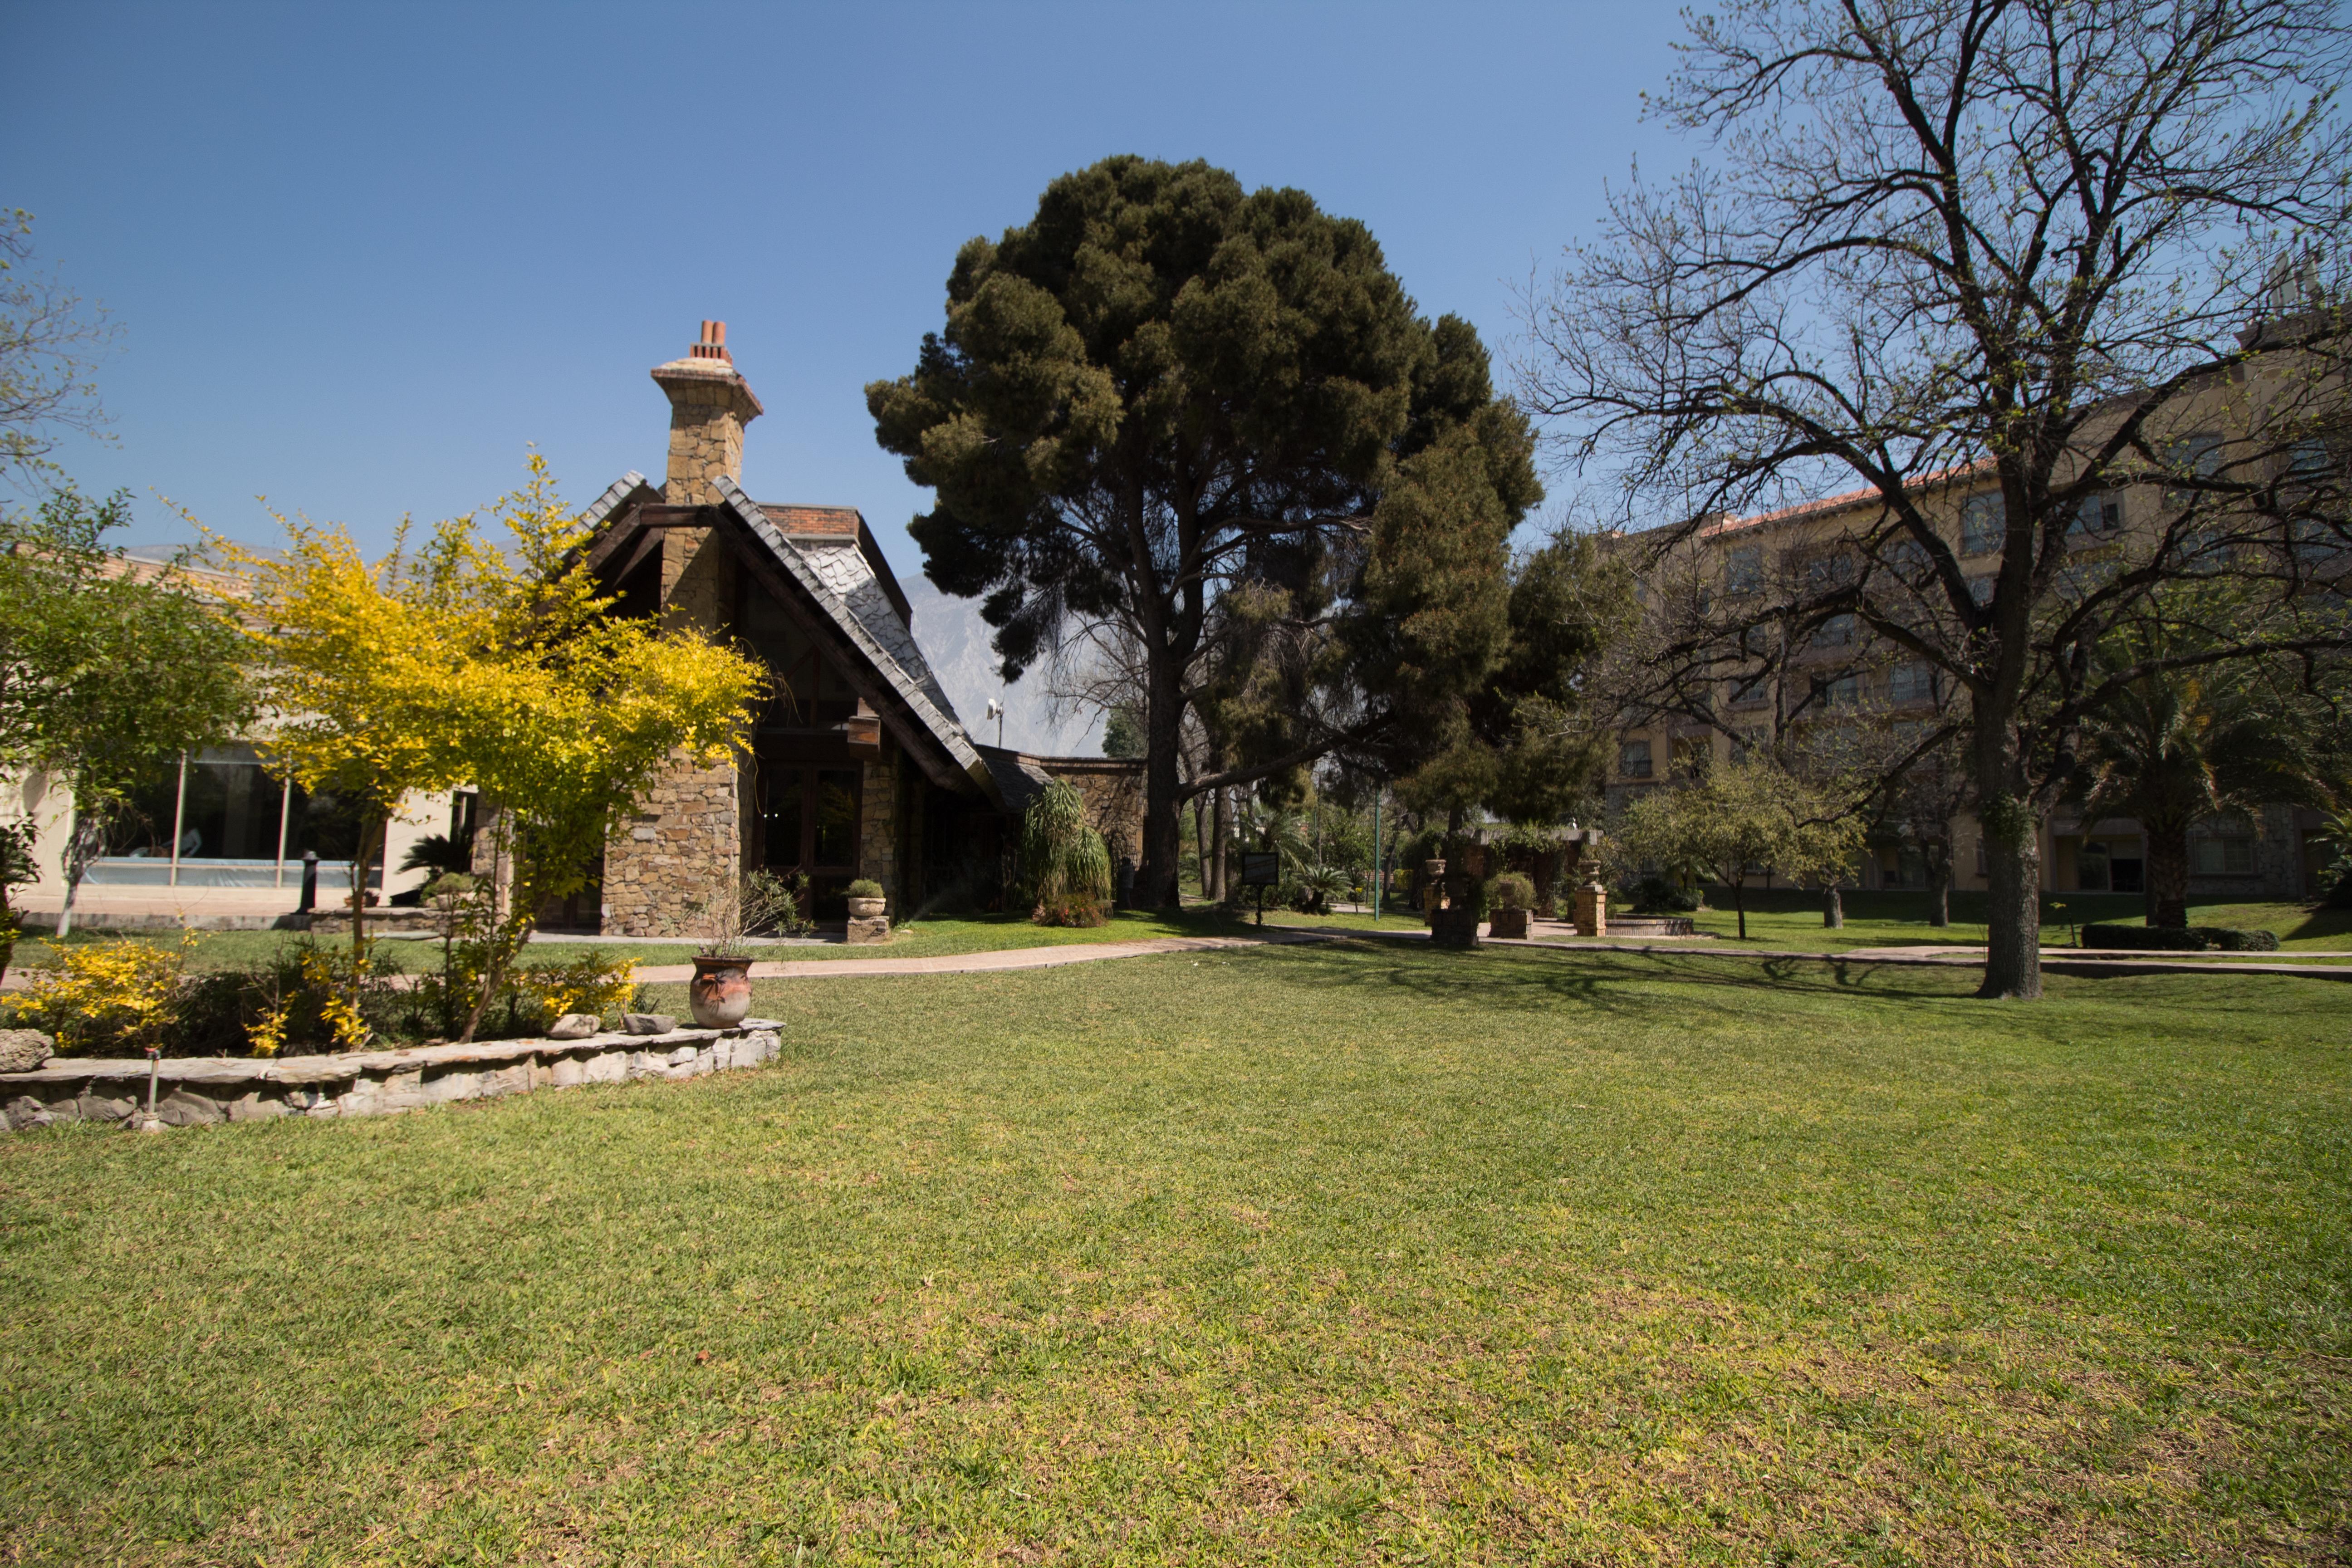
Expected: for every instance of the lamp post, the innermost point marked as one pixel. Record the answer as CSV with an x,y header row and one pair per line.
x,y
996,712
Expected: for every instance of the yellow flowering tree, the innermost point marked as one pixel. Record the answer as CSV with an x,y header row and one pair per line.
x,y
562,713
352,670
501,665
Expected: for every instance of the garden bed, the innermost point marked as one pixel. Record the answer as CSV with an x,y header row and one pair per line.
x,y
201,1090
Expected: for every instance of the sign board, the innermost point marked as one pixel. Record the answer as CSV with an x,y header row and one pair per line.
x,y
1260,868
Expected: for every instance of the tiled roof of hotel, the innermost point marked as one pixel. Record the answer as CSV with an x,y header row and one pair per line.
x,y
1834,503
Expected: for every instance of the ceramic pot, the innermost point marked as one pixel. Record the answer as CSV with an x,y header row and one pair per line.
x,y
867,909
720,992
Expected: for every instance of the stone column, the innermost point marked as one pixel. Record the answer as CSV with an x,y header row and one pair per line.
x,y
878,827
1592,909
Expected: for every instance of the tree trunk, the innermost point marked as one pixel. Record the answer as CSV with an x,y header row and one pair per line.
x,y
1220,825
1156,882
361,858
2167,876
2013,899
1832,908
1939,889
1739,906
1200,842
82,846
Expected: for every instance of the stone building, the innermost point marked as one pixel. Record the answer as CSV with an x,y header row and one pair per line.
x,y
858,765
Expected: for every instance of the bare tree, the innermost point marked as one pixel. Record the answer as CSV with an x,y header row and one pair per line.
x,y
2045,249
50,345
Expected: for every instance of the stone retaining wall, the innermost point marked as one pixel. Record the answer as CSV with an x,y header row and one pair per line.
x,y
199,1091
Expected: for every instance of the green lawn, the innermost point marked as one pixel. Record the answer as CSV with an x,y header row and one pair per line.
x,y
1315,1255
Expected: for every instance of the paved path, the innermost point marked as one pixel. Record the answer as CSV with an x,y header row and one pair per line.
x,y
986,963
2057,960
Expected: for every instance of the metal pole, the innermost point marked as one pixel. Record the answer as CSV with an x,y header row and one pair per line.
x,y
285,818
179,812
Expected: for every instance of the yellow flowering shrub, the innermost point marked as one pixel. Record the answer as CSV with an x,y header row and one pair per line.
x,y
588,985
121,995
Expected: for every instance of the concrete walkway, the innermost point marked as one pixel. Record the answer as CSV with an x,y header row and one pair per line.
x,y
986,963
2055,961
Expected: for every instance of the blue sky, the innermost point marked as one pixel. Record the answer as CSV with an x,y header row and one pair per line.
x,y
362,256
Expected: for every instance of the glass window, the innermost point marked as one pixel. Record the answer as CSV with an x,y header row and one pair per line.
x,y
1690,756
1980,588
1907,559
1842,691
1984,522
2221,857
2198,457
1634,759
2099,517
1743,570
1836,632
1911,681
1829,568
782,790
836,846
1753,693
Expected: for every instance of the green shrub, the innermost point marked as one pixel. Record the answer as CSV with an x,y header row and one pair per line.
x,y
1510,891
863,887
2180,939
1066,863
1657,896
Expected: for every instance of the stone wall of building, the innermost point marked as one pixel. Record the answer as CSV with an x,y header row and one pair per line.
x,y
687,832
1113,788
878,825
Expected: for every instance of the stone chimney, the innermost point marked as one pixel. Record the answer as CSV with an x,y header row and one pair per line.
x,y
708,405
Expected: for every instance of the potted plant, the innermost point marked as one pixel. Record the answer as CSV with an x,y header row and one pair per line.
x,y
866,900
1510,895
729,909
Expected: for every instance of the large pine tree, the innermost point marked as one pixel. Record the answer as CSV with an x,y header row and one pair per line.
x,y
1164,388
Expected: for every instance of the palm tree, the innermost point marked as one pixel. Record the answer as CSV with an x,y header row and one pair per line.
x,y
2172,748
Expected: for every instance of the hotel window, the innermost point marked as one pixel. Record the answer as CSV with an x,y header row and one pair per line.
x,y
1984,522
1753,693
1842,691
1980,588
2224,849
2099,517
1911,681
1687,757
1827,571
2198,457
1836,632
1743,570
1634,759
1907,559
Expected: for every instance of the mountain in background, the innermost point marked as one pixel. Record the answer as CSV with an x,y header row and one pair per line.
x,y
955,639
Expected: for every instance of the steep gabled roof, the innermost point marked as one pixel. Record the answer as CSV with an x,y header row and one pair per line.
x,y
842,584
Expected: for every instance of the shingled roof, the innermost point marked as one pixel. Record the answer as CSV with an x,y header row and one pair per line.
x,y
837,576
